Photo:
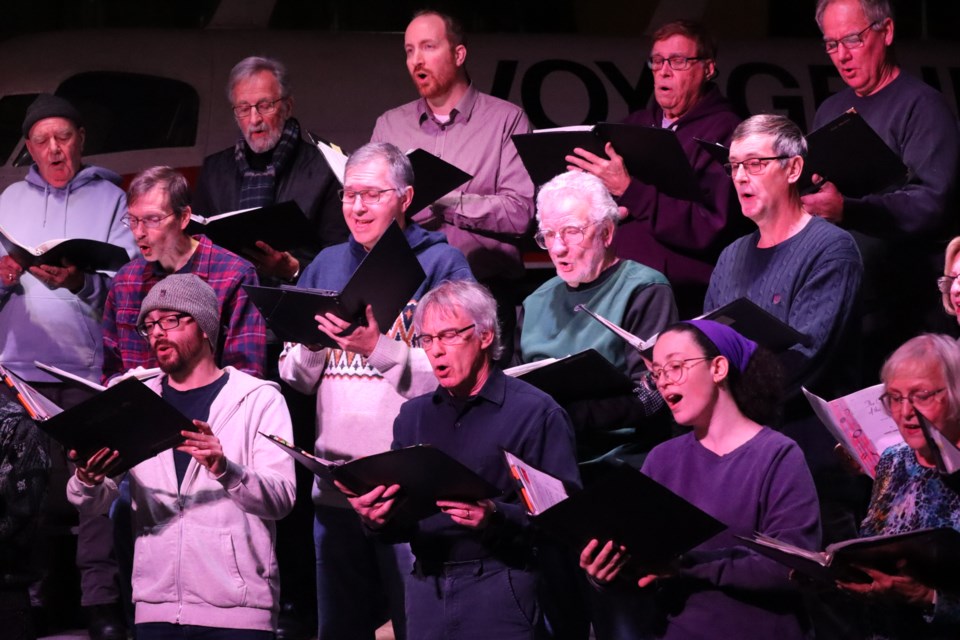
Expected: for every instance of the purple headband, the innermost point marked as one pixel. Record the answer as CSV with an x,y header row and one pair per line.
x,y
731,345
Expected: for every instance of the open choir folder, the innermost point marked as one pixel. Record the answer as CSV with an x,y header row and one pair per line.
x,y
580,376
651,154
850,154
127,417
83,253
425,474
931,556
386,279
945,454
282,226
859,423
626,506
433,177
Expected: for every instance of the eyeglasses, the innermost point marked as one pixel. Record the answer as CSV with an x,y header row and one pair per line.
x,y
448,337
167,323
569,235
853,41
922,400
945,283
367,196
671,371
264,108
753,166
148,222
677,63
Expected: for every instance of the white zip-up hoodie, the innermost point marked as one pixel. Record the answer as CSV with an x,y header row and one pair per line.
x,y
204,553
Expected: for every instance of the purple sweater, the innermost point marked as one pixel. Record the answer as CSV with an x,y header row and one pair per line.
x,y
724,590
682,238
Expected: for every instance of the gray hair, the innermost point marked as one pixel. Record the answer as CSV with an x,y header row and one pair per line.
x,y
788,140
253,65
874,10
473,299
953,249
584,186
925,351
399,169
169,179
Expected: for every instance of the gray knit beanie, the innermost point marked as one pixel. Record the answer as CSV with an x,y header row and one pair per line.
x,y
49,106
186,293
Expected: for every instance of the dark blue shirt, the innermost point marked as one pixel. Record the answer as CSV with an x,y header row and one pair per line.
x,y
195,404
506,414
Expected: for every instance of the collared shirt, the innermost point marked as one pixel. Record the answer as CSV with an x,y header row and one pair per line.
x,y
506,414
243,339
485,217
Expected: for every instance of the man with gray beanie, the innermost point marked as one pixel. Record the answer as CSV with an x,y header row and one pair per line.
x,y
205,512
52,313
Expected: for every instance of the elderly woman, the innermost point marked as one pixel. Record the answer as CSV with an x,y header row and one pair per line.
x,y
948,285
922,376
746,475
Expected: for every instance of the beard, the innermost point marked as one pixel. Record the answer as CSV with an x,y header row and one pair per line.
x,y
436,84
266,143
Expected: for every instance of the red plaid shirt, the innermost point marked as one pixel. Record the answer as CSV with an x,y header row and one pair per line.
x,y
243,338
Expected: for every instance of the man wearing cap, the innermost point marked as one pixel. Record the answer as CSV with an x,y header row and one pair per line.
x,y
204,522
158,215
51,313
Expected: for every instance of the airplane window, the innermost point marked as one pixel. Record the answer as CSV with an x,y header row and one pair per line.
x,y
131,111
12,110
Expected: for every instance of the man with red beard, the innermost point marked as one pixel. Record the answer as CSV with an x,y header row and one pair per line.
x,y
204,526
157,215
469,129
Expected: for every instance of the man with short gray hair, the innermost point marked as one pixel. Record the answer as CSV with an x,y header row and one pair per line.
x,y
273,161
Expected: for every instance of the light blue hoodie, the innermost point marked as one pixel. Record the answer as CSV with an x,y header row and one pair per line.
x,y
56,326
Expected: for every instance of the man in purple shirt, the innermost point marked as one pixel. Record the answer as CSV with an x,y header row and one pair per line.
x,y
469,129
158,215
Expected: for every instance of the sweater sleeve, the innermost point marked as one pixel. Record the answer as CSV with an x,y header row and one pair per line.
x,y
302,368
266,487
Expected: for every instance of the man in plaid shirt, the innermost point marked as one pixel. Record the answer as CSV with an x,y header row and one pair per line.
x,y
158,213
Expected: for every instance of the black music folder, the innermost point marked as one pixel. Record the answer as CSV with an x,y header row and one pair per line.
x,y
83,253
425,474
386,279
750,321
283,226
651,154
850,154
931,556
433,178
127,417
581,376
626,506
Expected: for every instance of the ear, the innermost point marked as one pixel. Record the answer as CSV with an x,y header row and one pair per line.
x,y
405,199
606,233
460,55
794,169
720,367
185,218
709,69
888,35
82,133
486,339
289,102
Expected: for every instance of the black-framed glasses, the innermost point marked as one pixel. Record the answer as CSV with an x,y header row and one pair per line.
x,y
677,63
263,107
945,283
167,323
853,41
921,400
569,235
448,337
671,371
151,221
753,166
367,196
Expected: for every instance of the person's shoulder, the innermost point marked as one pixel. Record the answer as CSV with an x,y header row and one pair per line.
x,y
130,272
487,101
642,274
834,241
228,260
402,112
669,449
219,159
529,394
243,384
546,289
